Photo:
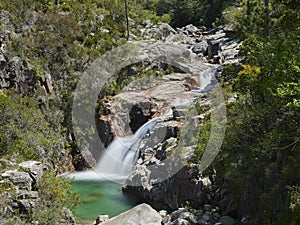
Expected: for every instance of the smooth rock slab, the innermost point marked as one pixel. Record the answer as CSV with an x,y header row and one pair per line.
x,y
142,214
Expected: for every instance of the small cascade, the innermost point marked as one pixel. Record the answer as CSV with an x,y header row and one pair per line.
x,y
120,157
206,81
205,78
122,154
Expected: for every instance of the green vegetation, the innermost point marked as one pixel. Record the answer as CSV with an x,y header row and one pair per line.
x,y
259,162
260,156
56,197
24,132
184,12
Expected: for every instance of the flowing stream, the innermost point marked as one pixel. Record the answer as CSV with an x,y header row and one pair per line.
x,y
99,194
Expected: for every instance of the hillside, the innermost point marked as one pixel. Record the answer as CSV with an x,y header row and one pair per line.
x,y
48,47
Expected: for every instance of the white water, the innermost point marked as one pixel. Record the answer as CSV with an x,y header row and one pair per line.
x,y
122,154
119,158
205,77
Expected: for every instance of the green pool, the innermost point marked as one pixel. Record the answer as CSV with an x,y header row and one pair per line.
x,y
101,197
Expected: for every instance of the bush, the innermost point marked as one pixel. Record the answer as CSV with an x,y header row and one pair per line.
x,y
24,132
166,18
55,197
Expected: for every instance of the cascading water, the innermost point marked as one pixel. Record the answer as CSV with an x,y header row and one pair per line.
x,y
119,158
122,154
96,188
205,77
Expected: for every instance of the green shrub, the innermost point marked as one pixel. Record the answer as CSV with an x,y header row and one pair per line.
x,y
166,18
23,130
55,196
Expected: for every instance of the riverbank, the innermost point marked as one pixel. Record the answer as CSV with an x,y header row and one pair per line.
x,y
144,214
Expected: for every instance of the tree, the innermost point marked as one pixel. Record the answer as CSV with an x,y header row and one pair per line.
x,y
127,21
261,150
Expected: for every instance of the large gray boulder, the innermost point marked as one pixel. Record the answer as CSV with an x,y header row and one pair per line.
x,y
201,47
142,214
184,186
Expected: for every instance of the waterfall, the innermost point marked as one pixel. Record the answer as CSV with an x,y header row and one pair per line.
x,y
206,78
120,157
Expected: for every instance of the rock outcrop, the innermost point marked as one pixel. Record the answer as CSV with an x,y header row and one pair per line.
x,y
20,195
206,215
142,214
27,198
213,46
147,98
185,187
144,99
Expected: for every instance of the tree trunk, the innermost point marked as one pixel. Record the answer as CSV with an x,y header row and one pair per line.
x,y
267,18
127,20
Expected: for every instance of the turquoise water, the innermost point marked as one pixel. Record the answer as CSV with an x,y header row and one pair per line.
x,y
101,197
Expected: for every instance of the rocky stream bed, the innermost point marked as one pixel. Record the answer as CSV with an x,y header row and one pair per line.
x,y
148,99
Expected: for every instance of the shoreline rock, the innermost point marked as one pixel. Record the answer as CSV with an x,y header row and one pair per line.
x,y
142,214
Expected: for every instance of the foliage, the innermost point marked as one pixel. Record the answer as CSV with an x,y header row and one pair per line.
x,y
24,131
202,141
166,18
185,12
263,18
294,193
251,18
61,39
261,150
55,195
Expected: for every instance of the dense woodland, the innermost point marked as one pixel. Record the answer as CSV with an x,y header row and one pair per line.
x,y
259,163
